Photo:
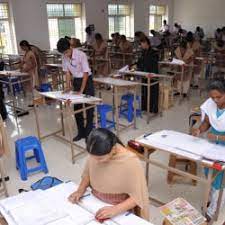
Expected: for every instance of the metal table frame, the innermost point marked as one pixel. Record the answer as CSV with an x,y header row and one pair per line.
x,y
116,87
65,112
146,157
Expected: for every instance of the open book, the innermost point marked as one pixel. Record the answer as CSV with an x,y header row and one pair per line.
x,y
51,207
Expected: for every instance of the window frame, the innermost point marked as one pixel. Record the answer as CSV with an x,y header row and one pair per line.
x,y
11,30
117,16
164,16
66,18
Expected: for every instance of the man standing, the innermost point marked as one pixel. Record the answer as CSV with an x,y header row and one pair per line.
x,y
78,78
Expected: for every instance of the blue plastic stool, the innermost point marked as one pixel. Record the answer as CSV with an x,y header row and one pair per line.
x,y
29,144
45,87
127,109
103,110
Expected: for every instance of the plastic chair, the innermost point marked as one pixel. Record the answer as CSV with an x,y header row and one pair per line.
x,y
127,109
45,87
23,146
103,111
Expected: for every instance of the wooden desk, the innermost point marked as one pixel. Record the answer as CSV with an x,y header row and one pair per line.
x,y
151,147
21,78
117,85
60,74
63,211
65,102
181,73
149,77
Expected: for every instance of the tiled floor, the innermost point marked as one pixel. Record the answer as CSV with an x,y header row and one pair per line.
x,y
58,154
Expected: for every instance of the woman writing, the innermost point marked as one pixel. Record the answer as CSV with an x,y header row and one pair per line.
x,y
213,121
108,172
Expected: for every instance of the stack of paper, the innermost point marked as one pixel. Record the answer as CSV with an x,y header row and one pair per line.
x,y
177,61
185,145
51,207
124,69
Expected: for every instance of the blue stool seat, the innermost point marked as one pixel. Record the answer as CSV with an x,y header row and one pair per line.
x,y
45,87
103,110
127,109
23,146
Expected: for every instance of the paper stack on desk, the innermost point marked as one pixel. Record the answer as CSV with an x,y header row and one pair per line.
x,y
51,207
185,145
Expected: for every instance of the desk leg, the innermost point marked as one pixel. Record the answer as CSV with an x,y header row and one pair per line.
x,y
3,179
96,116
69,114
116,110
219,203
14,102
148,99
62,119
207,191
135,108
147,154
37,121
182,83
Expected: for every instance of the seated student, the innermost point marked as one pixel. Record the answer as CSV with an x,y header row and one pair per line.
x,y
218,34
148,62
115,176
187,55
193,44
213,121
182,33
155,39
90,36
101,53
199,34
137,37
176,28
219,46
125,47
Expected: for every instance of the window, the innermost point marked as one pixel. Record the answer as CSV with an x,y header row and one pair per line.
x,y
157,13
119,18
6,35
64,20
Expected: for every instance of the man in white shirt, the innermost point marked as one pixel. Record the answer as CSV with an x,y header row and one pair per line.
x,y
90,36
165,28
78,78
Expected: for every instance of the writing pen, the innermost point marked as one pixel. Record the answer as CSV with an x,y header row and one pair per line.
x,y
146,135
84,196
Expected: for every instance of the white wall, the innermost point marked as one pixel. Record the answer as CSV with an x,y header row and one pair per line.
x,y
30,17
208,14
